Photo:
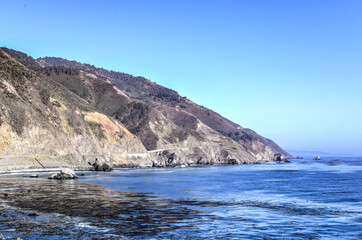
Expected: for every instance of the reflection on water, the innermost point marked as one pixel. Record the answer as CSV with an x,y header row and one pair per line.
x,y
302,200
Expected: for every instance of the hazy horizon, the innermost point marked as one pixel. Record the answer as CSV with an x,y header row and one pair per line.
x,y
288,70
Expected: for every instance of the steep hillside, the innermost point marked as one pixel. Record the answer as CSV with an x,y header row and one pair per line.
x,y
159,97
55,116
172,133
43,123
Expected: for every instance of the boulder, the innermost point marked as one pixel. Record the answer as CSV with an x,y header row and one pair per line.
x,y
232,162
64,174
278,157
100,166
318,158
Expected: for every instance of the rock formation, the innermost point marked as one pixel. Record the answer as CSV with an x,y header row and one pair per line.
x,y
100,166
64,174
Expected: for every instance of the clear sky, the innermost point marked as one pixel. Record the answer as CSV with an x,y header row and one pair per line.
x,y
290,70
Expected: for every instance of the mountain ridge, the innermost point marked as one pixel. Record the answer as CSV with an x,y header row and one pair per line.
x,y
224,126
168,130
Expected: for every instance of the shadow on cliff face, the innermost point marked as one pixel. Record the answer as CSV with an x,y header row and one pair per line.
x,y
61,209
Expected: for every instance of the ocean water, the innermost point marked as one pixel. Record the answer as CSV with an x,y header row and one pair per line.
x,y
305,199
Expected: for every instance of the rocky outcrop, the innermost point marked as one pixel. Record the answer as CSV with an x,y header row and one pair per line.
x,y
64,174
278,157
98,165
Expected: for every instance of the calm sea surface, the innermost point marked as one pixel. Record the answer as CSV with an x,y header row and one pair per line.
x,y
306,199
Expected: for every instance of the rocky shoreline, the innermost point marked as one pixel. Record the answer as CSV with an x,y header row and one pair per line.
x,y
32,204
18,169
67,209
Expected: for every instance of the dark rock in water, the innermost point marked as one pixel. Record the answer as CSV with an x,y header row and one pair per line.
x,y
232,162
100,166
33,214
287,161
5,215
64,174
318,158
201,161
82,174
278,157
106,167
298,157
33,176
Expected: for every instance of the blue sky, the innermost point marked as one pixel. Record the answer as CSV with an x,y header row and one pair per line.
x,y
290,70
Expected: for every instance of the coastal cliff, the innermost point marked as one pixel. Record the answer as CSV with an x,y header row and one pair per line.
x,y
55,112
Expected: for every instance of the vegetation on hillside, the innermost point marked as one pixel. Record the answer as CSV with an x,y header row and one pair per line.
x,y
58,70
96,87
